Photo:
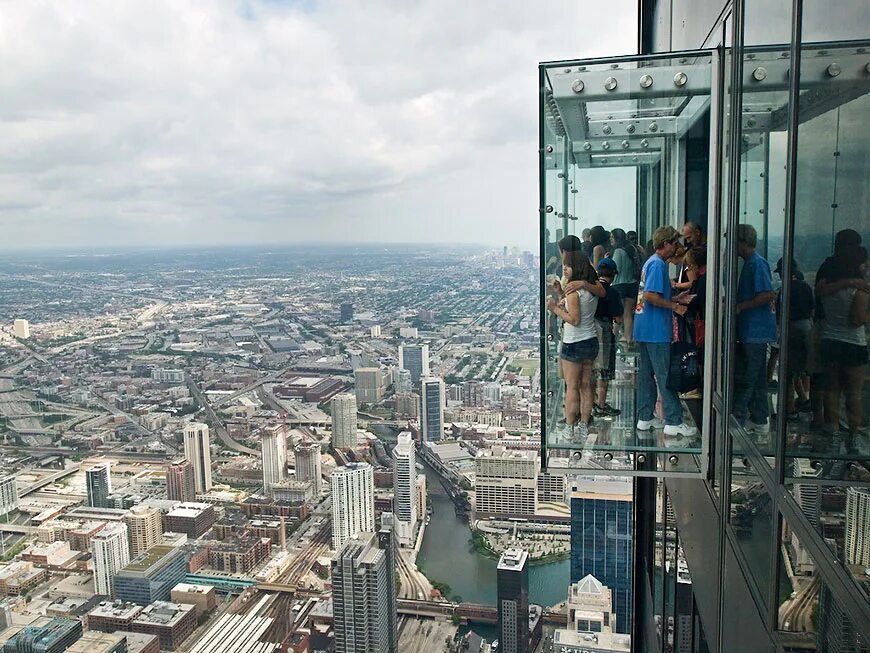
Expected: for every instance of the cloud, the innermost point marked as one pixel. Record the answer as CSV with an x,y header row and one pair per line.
x,y
174,121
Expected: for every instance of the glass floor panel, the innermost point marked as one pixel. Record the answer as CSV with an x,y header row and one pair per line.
x,y
613,443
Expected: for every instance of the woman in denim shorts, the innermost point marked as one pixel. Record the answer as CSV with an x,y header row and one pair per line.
x,y
579,341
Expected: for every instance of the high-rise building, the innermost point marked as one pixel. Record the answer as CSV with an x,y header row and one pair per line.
x,y
21,329
111,553
432,408
353,502
809,498
346,311
857,544
162,375
473,393
601,538
512,597
405,488
8,495
415,359
590,606
180,484
151,576
364,594
835,632
408,405
273,452
506,482
98,480
307,457
402,382
375,331
145,525
368,384
344,424
197,450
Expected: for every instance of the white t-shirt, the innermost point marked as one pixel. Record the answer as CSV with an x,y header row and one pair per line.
x,y
586,328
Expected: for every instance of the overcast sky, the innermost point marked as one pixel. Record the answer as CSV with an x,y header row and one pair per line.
x,y
125,122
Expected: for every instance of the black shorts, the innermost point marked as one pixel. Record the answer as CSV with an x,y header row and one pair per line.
x,y
627,290
579,352
844,354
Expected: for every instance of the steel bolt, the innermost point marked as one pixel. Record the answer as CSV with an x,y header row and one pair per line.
x,y
646,81
680,79
578,86
610,83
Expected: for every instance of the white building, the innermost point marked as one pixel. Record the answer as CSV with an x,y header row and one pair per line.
x,y
506,482
21,329
432,402
809,498
344,421
590,620
8,495
307,462
111,553
353,502
375,331
145,525
405,488
198,452
857,546
273,450
167,376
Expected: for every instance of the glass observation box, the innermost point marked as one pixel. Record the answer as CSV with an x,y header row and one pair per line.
x,y
639,142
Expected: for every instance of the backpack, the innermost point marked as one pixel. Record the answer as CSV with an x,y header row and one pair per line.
x,y
609,306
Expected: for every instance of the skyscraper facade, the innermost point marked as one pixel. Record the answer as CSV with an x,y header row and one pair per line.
x,y
180,483
111,553
145,526
353,502
432,408
512,596
21,329
857,543
363,595
8,495
98,481
273,452
601,539
415,359
197,450
368,384
405,488
346,312
344,424
307,462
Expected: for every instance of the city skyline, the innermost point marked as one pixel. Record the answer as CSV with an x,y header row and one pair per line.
x,y
220,124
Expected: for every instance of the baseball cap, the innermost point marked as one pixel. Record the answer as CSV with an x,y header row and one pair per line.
x,y
607,264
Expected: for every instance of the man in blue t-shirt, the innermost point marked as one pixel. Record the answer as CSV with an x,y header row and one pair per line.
x,y
653,318
756,328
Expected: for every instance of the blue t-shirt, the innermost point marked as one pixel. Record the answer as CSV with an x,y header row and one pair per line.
x,y
755,325
653,323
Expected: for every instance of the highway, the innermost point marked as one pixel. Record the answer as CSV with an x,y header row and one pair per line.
x,y
216,422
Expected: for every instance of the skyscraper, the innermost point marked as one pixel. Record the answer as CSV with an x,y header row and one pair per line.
x,y
405,488
198,452
21,329
415,359
368,384
145,525
601,539
506,482
432,408
402,382
343,421
513,601
111,553
180,484
346,310
857,544
8,495
472,393
307,462
364,595
273,452
98,480
809,498
353,502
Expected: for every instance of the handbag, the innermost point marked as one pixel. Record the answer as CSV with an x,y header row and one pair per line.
x,y
684,373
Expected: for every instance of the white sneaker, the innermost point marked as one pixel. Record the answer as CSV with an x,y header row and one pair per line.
x,y
760,429
646,425
683,429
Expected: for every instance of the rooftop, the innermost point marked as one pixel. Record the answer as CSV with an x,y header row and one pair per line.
x,y
512,560
116,610
163,613
148,559
189,510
